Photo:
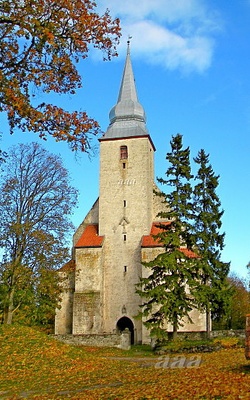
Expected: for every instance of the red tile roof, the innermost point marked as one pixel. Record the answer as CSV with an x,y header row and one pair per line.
x,y
150,241
90,237
68,267
188,253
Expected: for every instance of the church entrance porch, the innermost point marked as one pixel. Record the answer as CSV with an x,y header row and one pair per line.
x,y
126,323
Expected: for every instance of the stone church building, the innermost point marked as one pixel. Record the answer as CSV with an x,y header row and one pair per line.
x,y
116,234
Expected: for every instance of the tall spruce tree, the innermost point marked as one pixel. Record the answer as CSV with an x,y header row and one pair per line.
x,y
212,290
164,292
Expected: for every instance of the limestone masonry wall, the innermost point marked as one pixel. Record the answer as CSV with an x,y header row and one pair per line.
x,y
99,340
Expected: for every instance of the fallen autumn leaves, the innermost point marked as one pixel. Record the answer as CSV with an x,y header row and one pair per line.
x,y
36,366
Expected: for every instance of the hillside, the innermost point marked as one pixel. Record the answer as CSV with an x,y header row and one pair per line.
x,y
36,366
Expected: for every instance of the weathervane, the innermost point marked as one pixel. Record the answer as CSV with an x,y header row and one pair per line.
x,y
128,42
129,37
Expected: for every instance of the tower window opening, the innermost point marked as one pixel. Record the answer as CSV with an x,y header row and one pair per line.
x,y
124,238
123,153
124,165
124,203
125,268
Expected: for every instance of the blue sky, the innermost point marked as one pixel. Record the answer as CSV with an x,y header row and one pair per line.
x,y
191,60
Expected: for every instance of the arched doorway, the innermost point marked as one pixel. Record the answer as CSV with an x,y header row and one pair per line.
x,y
124,323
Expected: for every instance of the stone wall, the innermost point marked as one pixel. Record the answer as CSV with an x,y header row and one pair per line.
x,y
88,291
240,333
91,218
214,334
125,215
86,313
64,314
121,340
198,318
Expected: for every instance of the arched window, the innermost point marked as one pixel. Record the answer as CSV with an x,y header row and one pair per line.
x,y
123,152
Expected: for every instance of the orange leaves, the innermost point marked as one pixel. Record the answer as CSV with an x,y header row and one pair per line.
x,y
73,126
41,42
44,369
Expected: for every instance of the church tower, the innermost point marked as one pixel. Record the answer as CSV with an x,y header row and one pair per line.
x,y
116,235
125,202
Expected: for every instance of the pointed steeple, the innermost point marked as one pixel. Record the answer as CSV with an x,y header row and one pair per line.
x,y
127,117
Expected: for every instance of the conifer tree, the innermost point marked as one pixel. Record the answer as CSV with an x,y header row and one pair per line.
x,y
164,292
212,290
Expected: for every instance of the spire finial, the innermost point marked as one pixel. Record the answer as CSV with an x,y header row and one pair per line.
x,y
128,43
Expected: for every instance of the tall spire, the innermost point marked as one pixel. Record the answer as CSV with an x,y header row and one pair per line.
x,y
128,90
127,117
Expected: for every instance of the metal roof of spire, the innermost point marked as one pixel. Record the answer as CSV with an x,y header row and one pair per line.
x,y
127,117
128,90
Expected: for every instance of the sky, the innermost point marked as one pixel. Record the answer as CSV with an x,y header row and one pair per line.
x,y
191,61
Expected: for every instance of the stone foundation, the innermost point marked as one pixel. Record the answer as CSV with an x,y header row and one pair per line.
x,y
213,334
121,340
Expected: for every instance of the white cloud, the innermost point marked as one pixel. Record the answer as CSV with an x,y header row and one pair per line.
x,y
177,34
159,45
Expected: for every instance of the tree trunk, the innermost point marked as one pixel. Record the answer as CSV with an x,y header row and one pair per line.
x,y
208,323
8,311
9,305
175,327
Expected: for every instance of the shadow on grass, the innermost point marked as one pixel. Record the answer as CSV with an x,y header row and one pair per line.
x,y
243,369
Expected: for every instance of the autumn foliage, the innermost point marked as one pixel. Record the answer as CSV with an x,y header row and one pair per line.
x,y
39,367
36,201
41,44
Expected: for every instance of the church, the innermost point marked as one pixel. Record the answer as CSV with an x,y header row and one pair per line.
x,y
115,236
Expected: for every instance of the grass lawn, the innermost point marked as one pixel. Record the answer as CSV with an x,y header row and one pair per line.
x,y
36,366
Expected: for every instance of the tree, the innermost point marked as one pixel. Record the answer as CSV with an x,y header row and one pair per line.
x,y
212,292
238,306
36,201
165,291
41,43
3,155
35,304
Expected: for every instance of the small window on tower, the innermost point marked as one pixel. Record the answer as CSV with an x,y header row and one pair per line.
x,y
124,203
123,152
124,238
